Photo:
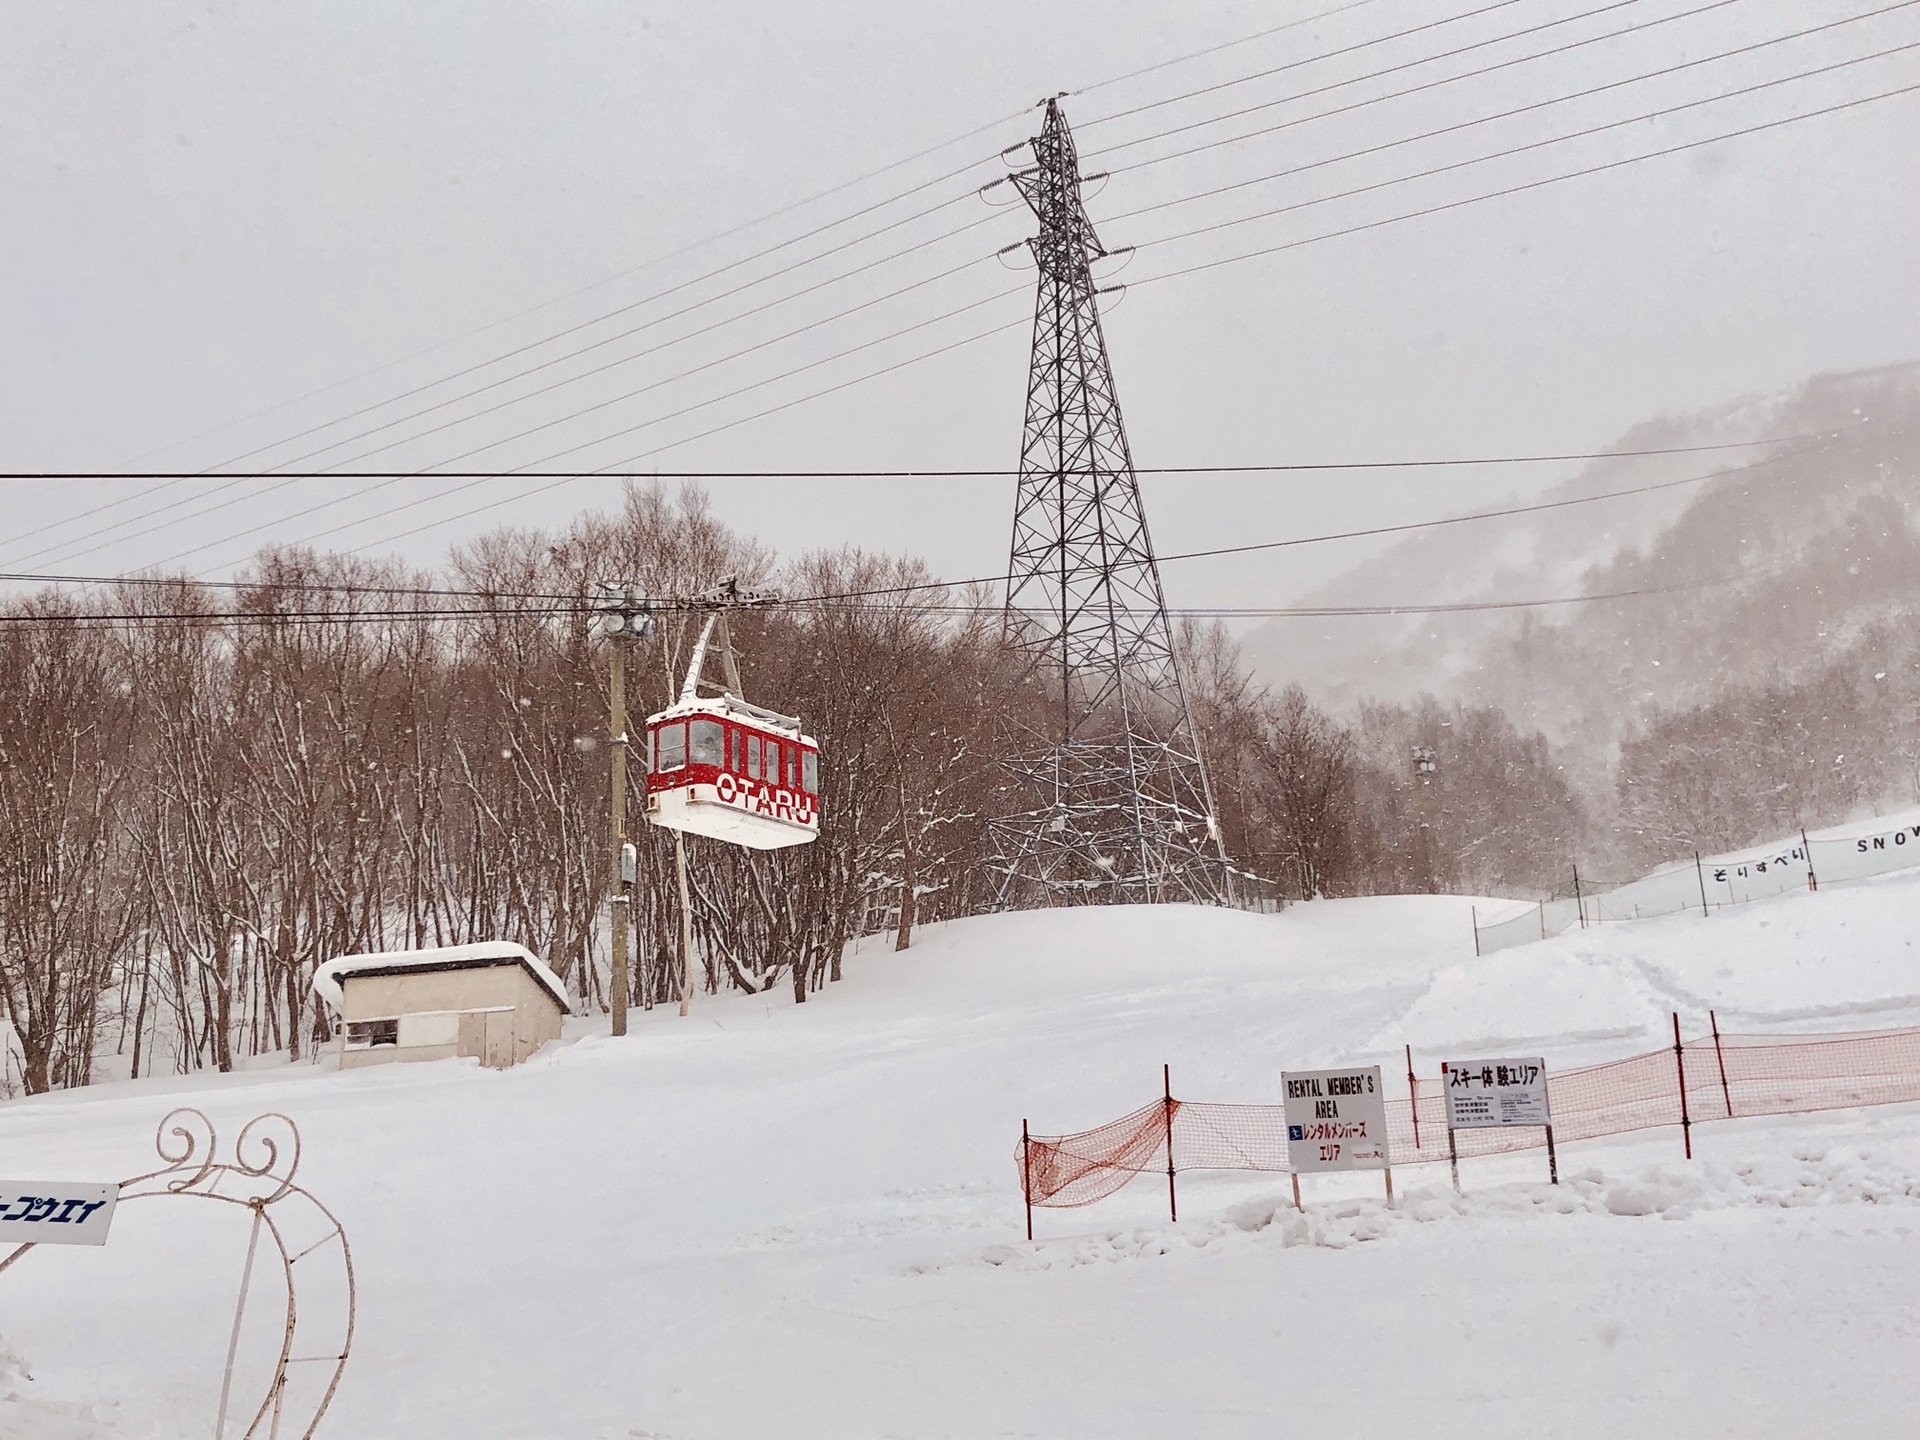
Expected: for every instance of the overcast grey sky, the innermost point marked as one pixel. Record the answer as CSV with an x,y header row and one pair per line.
x,y
213,208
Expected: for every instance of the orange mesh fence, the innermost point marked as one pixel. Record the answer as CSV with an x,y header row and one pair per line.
x,y
1725,1077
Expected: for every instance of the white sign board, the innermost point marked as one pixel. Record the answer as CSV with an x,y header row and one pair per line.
x,y
1336,1119
1484,1094
55,1212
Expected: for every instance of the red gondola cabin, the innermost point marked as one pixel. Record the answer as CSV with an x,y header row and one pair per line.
x,y
724,768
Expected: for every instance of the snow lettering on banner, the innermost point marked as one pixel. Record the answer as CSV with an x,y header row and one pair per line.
x,y
1336,1119
1487,1094
55,1212
1906,836
1786,863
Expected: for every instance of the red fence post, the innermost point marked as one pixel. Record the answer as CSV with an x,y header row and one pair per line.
x,y
1680,1062
1721,1056
1166,1090
1026,1174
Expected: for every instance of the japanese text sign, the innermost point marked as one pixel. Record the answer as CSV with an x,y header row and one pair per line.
x,y
1484,1094
1336,1119
55,1212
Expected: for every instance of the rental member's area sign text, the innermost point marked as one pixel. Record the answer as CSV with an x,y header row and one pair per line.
x,y
1336,1119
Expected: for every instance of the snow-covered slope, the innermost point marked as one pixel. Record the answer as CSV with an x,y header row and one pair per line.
x,y
773,1221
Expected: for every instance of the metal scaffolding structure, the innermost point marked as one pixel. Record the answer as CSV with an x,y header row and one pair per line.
x,y
1110,800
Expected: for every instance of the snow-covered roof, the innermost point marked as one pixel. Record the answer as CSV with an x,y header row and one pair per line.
x,y
729,704
326,980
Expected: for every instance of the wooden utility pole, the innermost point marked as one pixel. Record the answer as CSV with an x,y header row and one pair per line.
x,y
623,617
617,787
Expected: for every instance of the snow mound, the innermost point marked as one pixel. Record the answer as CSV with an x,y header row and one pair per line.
x,y
1842,1176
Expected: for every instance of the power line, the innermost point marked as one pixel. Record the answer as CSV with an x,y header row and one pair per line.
x,y
811,288
732,231
376,588
284,478
1207,265
229,486
861,269
1334,234
1297,64
1145,244
1467,519
1223,45
1394,69
69,553
759,309
754,223
1531,145
809,327
583,607
643,425
1522,188
1313,239
1635,28
458,374
658,260
929,473
364,410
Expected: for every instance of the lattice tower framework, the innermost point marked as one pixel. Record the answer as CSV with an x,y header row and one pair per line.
x,y
1109,800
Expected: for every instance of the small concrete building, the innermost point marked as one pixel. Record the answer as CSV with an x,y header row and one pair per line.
x,y
495,1001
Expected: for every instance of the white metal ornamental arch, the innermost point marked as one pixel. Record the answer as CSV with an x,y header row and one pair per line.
x,y
259,1177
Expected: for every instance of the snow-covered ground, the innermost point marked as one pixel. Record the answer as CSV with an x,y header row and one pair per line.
x,y
780,1221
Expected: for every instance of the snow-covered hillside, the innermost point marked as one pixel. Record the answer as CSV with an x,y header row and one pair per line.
x,y
781,1221
1757,565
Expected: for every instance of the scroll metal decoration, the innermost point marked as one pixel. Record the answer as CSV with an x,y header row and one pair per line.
x,y
259,1177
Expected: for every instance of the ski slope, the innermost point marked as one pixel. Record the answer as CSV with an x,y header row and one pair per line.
x,y
772,1220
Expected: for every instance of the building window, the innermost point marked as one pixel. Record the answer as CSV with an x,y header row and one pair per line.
x,y
363,1033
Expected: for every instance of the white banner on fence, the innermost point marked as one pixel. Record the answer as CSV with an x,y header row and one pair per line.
x,y
55,1212
1336,1119
1717,882
1901,845
1486,1094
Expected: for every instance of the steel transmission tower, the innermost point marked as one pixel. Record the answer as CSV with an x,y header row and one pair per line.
x,y
1113,803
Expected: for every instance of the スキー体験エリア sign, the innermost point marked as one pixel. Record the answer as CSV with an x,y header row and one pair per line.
x,y
1486,1094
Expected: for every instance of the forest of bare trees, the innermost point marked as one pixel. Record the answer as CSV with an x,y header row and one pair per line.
x,y
205,792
